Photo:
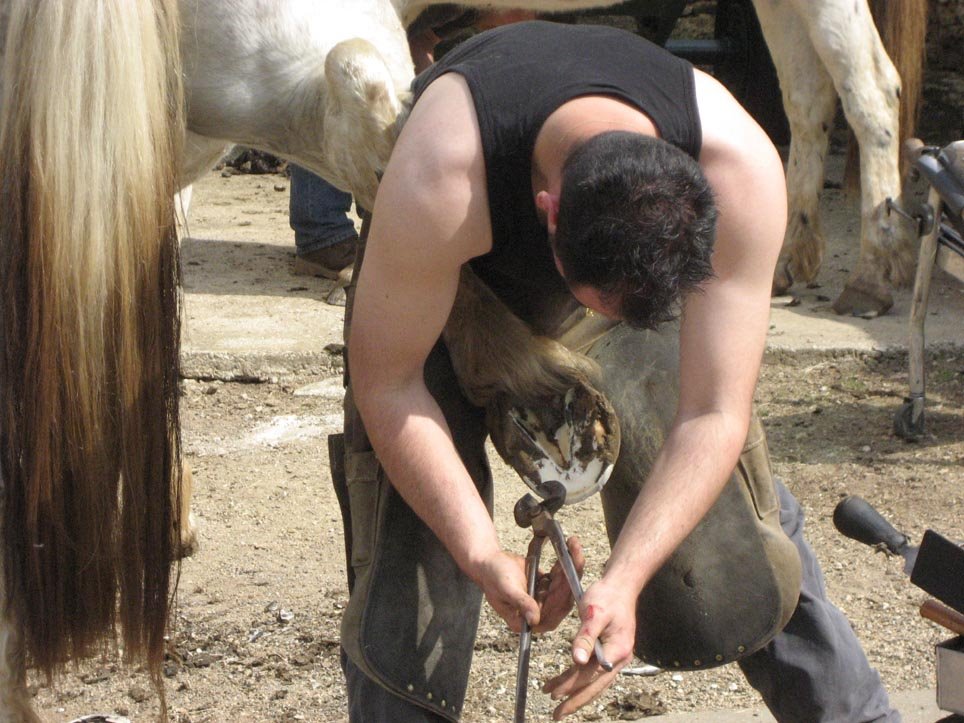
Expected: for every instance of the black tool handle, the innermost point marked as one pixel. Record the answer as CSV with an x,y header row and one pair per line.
x,y
855,518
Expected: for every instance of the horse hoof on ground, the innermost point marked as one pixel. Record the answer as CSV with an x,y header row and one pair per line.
x,y
572,438
188,543
866,303
338,296
782,280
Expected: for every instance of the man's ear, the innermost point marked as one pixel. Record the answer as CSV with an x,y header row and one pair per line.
x,y
548,203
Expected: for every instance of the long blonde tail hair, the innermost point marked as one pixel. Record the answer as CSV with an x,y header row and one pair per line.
x,y
90,130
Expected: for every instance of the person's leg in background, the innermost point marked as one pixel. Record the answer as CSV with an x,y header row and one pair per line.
x,y
325,234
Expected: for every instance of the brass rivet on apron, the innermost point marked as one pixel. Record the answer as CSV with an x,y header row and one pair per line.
x,y
676,663
410,687
697,663
442,703
428,695
719,658
741,648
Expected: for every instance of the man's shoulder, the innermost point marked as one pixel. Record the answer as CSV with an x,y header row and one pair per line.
x,y
729,133
442,132
435,179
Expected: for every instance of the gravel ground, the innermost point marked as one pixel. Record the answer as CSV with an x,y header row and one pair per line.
x,y
256,630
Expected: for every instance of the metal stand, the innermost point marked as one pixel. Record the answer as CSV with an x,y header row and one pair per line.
x,y
941,226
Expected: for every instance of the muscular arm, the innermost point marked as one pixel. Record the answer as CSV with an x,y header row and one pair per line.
x,y
429,218
431,215
722,338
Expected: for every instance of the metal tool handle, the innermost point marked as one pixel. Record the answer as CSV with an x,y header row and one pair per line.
x,y
558,539
525,637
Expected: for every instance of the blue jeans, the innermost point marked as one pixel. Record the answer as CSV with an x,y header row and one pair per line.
x,y
318,212
815,669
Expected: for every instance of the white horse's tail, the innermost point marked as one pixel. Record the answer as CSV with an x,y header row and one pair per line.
x,y
89,134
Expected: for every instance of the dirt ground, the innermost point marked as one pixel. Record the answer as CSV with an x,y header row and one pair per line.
x,y
255,635
256,630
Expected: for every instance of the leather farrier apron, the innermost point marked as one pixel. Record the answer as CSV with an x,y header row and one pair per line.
x,y
412,616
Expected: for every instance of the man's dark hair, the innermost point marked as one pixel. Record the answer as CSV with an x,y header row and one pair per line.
x,y
637,223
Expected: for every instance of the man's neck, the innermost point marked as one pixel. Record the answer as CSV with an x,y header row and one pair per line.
x,y
573,123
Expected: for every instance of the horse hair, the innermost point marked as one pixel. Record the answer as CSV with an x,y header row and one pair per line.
x,y
89,342
495,353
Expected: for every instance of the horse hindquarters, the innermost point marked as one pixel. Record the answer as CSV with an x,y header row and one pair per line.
x,y
89,339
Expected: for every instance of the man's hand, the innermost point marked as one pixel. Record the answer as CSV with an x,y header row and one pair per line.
x,y
502,578
503,581
608,614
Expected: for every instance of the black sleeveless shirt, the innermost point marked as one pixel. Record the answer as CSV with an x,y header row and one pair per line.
x,y
518,75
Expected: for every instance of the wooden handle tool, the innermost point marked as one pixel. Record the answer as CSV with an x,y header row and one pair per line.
x,y
943,616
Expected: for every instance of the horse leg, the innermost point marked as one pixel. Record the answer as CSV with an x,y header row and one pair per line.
x,y
495,353
810,102
199,156
869,89
363,116
15,704
186,543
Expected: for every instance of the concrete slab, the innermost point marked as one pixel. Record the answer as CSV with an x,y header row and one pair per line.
x,y
915,706
245,312
248,315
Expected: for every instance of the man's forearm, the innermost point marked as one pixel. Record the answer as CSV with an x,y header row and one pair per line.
x,y
414,445
693,466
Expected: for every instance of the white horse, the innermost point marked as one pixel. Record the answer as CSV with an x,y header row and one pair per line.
x,y
96,135
822,49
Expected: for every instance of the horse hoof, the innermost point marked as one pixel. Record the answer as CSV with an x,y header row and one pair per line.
x,y
865,304
572,439
782,281
337,296
188,544
187,548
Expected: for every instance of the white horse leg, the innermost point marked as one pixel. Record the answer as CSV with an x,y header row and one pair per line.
x,y
201,154
810,102
182,207
846,39
15,704
187,537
